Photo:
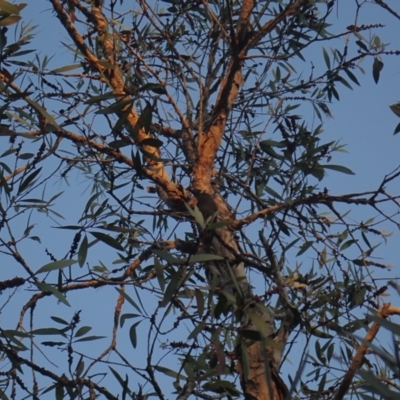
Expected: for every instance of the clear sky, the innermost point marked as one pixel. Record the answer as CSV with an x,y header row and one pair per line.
x,y
362,120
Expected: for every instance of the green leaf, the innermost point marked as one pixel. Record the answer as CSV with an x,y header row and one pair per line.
x,y
234,280
396,109
50,343
12,333
106,64
244,361
272,192
199,301
119,125
59,390
48,118
118,376
175,282
9,8
160,273
83,330
345,83
393,328
107,240
80,367
106,96
165,255
376,386
116,107
128,298
304,247
59,320
48,331
397,130
45,287
326,57
218,224
376,69
338,168
267,148
204,257
26,156
132,334
351,76
28,181
4,184
10,20
89,338
362,45
55,265
347,244
168,372
126,316
323,257
82,252
66,68
196,214
199,328
143,122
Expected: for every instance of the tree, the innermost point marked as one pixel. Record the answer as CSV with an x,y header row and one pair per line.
x,y
236,253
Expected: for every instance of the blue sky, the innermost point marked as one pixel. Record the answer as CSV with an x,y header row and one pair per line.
x,y
362,120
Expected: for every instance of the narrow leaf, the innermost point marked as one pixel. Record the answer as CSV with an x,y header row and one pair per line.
x,y
326,57
107,240
160,273
82,252
175,282
132,335
45,287
8,8
200,327
204,257
376,69
338,168
168,372
83,330
397,130
396,109
199,301
55,265
128,298
59,320
10,20
66,68
42,111
89,338
28,181
166,256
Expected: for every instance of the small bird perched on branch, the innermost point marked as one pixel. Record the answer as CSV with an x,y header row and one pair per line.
x,y
208,208
205,203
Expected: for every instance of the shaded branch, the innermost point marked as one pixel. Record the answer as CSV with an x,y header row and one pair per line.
x,y
358,358
63,381
320,198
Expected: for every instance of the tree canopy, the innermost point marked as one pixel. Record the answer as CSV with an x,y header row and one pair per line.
x,y
166,225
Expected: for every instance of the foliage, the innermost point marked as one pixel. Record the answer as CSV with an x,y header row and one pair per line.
x,y
236,253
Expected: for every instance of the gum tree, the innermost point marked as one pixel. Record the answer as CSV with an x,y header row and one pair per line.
x,y
193,123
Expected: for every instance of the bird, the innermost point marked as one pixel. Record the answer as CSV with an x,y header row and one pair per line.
x,y
209,209
205,203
